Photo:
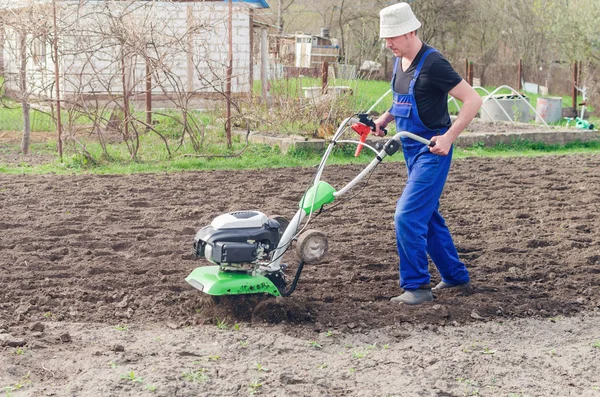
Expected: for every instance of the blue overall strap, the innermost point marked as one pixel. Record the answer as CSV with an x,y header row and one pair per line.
x,y
418,70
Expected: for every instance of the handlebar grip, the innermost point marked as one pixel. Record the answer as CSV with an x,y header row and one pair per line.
x,y
368,121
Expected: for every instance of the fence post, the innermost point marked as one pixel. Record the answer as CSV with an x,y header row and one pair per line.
x,y
25,141
148,96
466,69
229,74
470,74
264,64
125,96
324,70
520,75
575,85
579,73
56,83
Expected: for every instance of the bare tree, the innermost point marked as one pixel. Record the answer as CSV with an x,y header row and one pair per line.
x,y
282,7
109,53
482,38
24,35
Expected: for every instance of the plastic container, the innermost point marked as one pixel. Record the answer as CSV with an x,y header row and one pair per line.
x,y
549,109
516,108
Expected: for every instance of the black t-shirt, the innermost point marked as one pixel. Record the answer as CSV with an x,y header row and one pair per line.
x,y
436,79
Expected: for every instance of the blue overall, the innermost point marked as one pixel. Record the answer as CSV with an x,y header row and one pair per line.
x,y
420,229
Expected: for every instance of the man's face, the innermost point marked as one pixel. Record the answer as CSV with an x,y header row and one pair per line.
x,y
397,44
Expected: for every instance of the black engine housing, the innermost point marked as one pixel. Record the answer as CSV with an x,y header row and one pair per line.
x,y
231,244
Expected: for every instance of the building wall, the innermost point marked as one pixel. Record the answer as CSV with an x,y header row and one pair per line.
x,y
189,50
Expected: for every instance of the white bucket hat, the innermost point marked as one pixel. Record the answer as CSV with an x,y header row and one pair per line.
x,y
396,20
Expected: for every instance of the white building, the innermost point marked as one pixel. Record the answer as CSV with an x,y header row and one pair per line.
x,y
106,44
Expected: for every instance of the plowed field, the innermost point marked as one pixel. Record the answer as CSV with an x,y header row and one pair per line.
x,y
93,294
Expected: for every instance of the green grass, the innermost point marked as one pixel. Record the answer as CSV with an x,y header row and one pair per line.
x,y
11,119
167,122
259,156
364,92
524,148
367,93
289,116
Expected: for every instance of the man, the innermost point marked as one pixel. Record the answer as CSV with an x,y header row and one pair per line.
x,y
422,80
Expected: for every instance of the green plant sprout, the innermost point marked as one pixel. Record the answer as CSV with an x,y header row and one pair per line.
x,y
151,388
472,386
198,375
244,343
487,350
131,377
112,364
596,344
221,324
493,385
121,327
24,381
315,344
254,387
19,351
237,326
259,367
467,381
517,113
329,334
214,358
358,354
322,366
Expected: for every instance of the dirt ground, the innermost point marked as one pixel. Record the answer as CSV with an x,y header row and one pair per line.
x,y
94,303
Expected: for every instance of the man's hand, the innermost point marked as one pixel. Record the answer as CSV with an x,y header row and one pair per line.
x,y
382,122
442,145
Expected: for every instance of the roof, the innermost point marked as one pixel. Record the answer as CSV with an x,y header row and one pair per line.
x,y
12,4
256,3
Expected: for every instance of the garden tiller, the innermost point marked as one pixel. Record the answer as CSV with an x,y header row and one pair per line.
x,y
247,247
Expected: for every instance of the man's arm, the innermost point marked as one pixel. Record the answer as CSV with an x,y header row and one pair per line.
x,y
471,104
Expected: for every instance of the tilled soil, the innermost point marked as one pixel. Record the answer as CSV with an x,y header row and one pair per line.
x,y
114,251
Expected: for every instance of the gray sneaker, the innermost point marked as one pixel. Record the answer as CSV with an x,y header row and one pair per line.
x,y
465,287
414,297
